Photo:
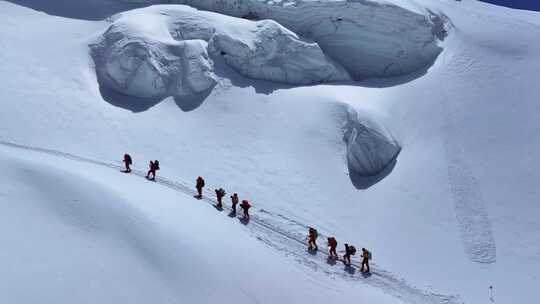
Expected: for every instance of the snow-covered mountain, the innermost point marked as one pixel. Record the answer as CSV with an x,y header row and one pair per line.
x,y
431,165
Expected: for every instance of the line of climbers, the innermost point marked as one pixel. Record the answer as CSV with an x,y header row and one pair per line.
x,y
332,243
312,236
220,193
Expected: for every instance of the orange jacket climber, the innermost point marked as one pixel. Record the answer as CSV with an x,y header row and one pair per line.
x,y
332,245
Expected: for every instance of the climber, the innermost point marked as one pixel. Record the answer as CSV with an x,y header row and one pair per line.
x,y
127,162
366,256
156,167
312,237
234,201
199,186
245,206
220,193
332,244
349,250
151,170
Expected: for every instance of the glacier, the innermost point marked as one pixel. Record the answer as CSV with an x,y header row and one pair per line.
x,y
369,39
167,51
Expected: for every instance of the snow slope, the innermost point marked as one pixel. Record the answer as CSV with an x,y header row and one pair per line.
x,y
130,240
453,216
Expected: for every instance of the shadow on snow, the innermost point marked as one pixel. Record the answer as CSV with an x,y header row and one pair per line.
x,y
185,103
361,182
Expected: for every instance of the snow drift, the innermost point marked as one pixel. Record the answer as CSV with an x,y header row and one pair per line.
x,y
164,50
369,39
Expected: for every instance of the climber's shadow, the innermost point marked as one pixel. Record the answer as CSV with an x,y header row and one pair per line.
x,y
138,104
185,103
191,102
386,82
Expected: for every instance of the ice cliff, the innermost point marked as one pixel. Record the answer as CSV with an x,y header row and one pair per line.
x,y
368,38
168,49
370,147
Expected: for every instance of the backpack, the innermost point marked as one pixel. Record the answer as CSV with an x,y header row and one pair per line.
x,y
221,192
332,241
156,165
352,249
128,159
202,182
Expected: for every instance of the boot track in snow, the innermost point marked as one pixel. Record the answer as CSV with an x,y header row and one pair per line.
x,y
292,244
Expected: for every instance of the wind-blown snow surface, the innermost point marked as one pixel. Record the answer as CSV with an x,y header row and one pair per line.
x,y
463,189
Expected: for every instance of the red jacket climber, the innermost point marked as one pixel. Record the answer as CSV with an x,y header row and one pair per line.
x,y
127,162
332,244
199,186
245,206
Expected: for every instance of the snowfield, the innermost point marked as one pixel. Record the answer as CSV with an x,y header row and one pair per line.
x,y
434,171
132,241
